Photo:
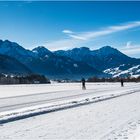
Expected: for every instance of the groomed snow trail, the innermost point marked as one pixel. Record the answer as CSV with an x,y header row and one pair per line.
x,y
116,118
19,96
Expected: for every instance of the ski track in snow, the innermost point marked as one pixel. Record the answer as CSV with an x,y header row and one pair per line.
x,y
38,110
117,118
15,102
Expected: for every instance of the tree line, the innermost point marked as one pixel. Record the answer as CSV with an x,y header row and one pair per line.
x,y
28,79
114,79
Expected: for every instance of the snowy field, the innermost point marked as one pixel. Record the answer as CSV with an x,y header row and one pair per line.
x,y
105,111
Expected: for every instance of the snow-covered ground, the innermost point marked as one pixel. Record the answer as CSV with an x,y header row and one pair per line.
x,y
103,111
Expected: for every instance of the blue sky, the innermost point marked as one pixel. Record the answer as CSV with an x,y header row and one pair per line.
x,y
65,25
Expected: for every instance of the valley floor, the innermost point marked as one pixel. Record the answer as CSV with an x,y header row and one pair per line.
x,y
105,111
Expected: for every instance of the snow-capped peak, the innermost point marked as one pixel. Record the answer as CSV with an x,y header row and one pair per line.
x,y
124,71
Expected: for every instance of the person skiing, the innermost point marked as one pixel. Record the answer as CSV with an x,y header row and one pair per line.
x,y
83,84
122,82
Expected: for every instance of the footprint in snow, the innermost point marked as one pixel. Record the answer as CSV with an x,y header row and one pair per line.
x,y
125,137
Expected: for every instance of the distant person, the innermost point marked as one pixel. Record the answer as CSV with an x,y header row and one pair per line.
x,y
83,83
122,82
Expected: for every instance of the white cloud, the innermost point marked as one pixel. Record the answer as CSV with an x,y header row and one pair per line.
x,y
105,31
131,49
128,44
80,39
67,31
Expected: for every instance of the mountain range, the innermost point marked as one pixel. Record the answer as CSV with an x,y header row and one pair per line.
x,y
72,64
